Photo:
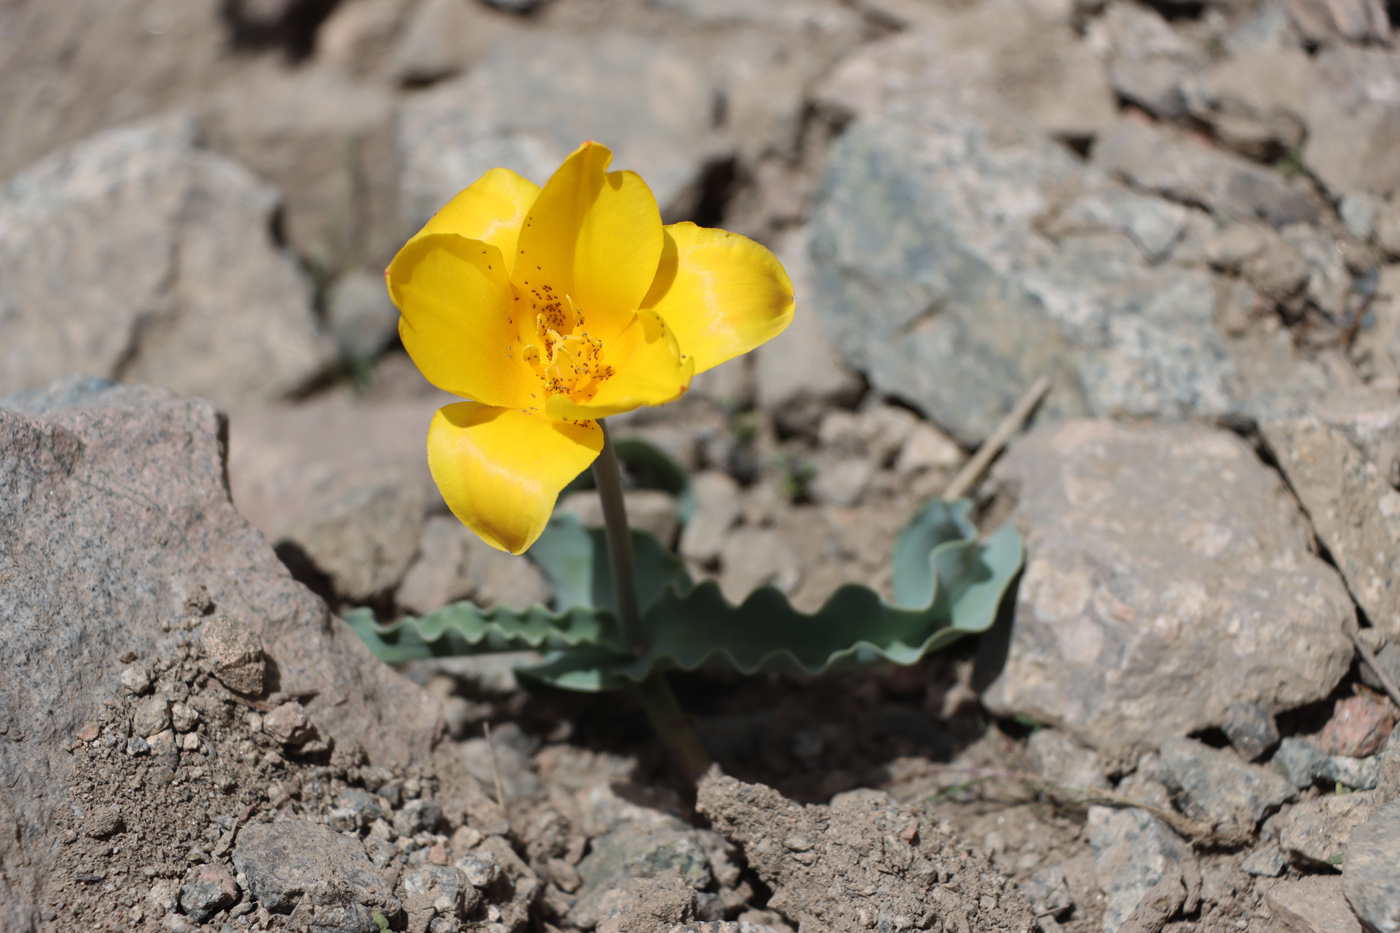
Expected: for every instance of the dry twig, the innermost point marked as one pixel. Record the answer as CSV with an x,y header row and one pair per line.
x,y
974,468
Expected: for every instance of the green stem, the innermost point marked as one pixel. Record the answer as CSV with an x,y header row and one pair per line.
x,y
654,693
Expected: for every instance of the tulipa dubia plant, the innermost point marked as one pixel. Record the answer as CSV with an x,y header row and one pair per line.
x,y
552,308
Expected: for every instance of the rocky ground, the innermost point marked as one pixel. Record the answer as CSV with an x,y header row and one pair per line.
x,y
1186,215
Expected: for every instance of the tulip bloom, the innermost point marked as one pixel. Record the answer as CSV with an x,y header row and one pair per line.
x,y
552,307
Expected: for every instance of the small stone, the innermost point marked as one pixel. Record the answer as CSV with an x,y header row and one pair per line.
x,y
151,715
361,317
1358,728
1298,760
1133,850
717,508
1356,773
1369,879
190,741
1267,861
1358,212
288,724
103,822
137,746
235,653
212,890
198,601
89,732
1250,728
481,868
127,656
417,816
1315,831
1312,904
1048,892
1218,786
136,678
1055,757
842,482
183,717
927,448
444,888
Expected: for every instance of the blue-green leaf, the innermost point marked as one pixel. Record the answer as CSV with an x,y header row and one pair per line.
x,y
463,628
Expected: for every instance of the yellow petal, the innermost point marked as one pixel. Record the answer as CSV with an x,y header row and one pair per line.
x,y
648,369
492,209
500,470
455,319
721,293
594,236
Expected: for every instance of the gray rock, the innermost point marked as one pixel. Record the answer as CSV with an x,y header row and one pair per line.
x,y
1133,850
168,272
1048,892
1315,832
288,862
1354,510
799,374
1152,159
442,38
1250,728
1254,98
1216,785
363,805
103,822
507,754
1368,876
418,816
1388,658
1058,758
211,891
453,564
109,566
1356,773
1154,594
1266,861
361,530
842,482
442,889
754,557
637,851
535,98
1148,60
935,277
235,654
288,724
1310,903
361,317
1298,760
151,715
717,508
816,15
1353,121
1358,214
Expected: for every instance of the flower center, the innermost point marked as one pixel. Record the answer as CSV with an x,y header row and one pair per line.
x,y
557,347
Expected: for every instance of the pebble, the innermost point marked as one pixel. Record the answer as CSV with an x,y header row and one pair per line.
x,y
1312,904
1266,861
136,678
363,806
1358,728
1355,773
1218,785
481,868
212,890
445,888
1369,878
235,653
151,715
183,717
417,816
1298,760
1315,831
137,746
1250,728
288,724
103,822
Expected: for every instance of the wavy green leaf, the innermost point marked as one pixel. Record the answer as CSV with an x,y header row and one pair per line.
x,y
947,584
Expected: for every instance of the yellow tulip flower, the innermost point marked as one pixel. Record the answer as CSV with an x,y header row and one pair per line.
x,y
552,307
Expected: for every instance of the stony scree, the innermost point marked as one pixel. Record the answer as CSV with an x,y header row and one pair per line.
x,y
1368,875
1133,852
1155,592
137,475
1216,785
170,275
286,862
861,862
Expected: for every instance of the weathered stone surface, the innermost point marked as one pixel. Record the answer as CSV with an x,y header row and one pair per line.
x,y
298,865
1056,757
453,563
1316,831
1133,851
1354,120
1354,509
361,316
1359,726
1298,760
1313,904
717,508
137,255
1040,68
637,851
112,507
1153,159
937,275
327,142
829,867
1168,575
1148,61
1254,98
1369,880
442,38
534,99
1216,785
1250,728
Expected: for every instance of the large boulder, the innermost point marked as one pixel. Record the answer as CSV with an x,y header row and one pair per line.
x,y
114,512
137,255
1169,574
